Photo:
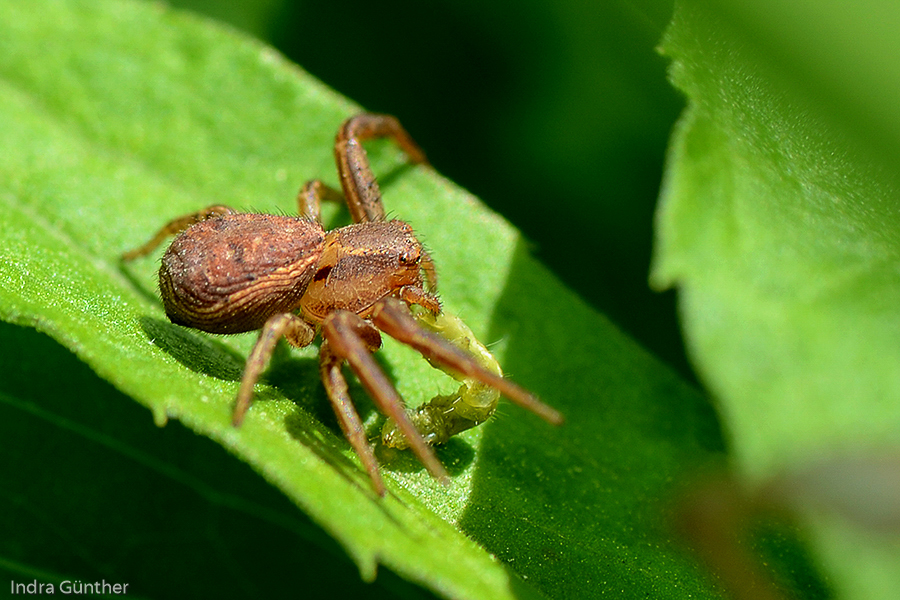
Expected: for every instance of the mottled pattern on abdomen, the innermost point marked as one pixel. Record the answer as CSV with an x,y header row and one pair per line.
x,y
229,274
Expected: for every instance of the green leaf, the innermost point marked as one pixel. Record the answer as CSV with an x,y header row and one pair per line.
x,y
779,225
118,116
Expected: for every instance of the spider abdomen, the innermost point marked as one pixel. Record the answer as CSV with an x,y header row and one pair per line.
x,y
230,273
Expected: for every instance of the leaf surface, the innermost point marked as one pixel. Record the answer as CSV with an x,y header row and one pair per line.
x,y
778,222
119,116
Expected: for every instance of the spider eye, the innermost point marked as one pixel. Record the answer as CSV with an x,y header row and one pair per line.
x,y
410,257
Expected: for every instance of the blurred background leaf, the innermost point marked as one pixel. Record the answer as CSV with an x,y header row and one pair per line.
x,y
778,223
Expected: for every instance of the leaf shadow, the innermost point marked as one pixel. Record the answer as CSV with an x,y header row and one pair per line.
x,y
202,354
456,455
387,179
198,353
298,380
137,284
295,378
306,390
339,215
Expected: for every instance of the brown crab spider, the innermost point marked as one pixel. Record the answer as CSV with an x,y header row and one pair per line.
x,y
229,272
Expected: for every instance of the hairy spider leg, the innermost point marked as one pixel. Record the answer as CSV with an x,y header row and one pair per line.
x,y
295,330
357,180
177,225
343,330
330,364
311,196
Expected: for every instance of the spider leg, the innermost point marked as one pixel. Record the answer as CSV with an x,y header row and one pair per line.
x,y
346,333
416,295
393,317
177,225
357,180
473,403
336,387
297,332
311,196
429,270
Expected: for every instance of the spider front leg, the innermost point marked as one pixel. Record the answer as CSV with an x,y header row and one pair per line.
x,y
351,338
393,318
473,403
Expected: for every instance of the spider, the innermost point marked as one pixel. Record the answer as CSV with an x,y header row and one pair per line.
x,y
229,272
